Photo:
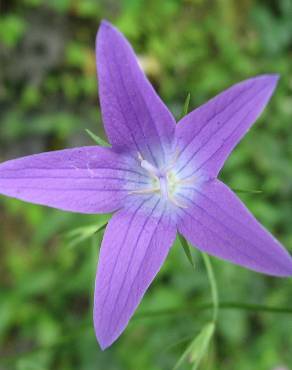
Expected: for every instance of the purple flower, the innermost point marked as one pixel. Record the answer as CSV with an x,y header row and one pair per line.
x,y
158,178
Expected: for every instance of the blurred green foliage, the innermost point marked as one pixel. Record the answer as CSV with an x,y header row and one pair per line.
x,y
48,96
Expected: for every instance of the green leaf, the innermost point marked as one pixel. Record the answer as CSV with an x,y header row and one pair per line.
x,y
76,54
12,29
98,140
186,106
198,347
247,191
80,234
187,250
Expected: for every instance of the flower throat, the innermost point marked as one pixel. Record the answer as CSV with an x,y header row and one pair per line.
x,y
163,180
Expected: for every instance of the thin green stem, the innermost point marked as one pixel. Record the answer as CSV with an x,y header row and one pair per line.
x,y
191,309
213,285
170,311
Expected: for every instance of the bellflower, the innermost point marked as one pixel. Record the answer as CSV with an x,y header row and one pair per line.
x,y
157,177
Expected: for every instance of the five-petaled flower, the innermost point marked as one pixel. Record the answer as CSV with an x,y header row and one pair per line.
x,y
158,178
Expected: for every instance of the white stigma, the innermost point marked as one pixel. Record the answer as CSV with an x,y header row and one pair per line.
x,y
163,180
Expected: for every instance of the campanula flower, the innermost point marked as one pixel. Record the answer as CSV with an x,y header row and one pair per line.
x,y
158,178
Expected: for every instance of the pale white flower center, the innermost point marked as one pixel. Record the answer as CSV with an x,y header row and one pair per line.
x,y
163,181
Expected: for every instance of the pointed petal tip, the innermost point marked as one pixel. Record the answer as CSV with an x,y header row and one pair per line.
x,y
103,345
269,79
282,269
287,271
272,78
104,340
106,23
103,27
127,266
218,223
106,30
276,76
106,26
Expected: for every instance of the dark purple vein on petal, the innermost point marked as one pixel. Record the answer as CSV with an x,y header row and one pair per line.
x,y
129,263
222,126
149,114
72,178
119,252
218,236
121,109
237,127
144,258
69,190
224,226
75,169
233,100
134,110
221,209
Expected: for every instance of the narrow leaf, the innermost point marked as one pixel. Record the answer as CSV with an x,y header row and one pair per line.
x,y
197,348
80,234
98,140
186,249
186,106
248,191
194,309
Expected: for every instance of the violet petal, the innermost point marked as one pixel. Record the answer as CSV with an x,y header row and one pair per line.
x,y
218,223
134,115
207,135
135,245
85,180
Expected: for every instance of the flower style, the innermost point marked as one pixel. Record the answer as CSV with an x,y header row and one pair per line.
x,y
158,178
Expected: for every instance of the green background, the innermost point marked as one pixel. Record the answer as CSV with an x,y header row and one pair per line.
x,y
48,96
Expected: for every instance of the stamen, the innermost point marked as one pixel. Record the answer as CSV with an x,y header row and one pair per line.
x,y
165,179
153,171
145,191
176,202
187,180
